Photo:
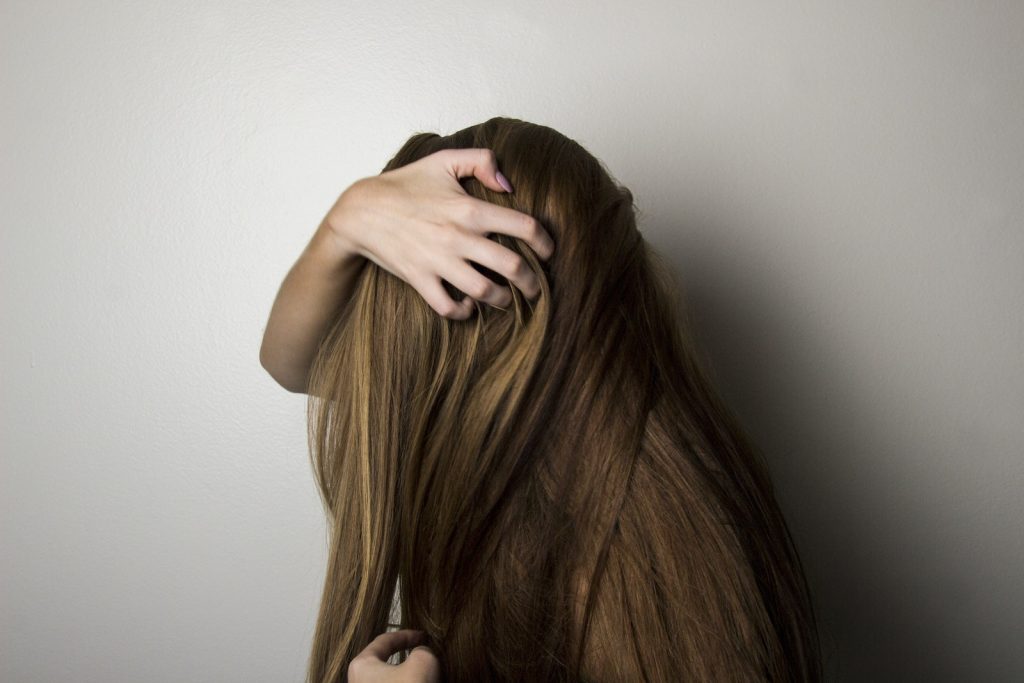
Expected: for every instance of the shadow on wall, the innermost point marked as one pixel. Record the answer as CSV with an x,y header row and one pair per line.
x,y
887,609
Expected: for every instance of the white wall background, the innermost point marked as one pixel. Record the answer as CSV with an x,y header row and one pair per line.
x,y
838,184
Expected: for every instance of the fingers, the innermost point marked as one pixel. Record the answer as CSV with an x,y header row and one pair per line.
x,y
502,260
371,664
433,292
479,162
423,663
483,217
387,644
476,284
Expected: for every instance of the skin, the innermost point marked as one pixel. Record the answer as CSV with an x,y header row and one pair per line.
x,y
371,665
420,225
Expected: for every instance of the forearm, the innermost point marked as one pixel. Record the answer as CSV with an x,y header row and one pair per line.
x,y
317,286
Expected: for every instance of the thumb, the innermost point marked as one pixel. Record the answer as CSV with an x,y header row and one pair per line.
x,y
479,162
421,657
422,654
423,665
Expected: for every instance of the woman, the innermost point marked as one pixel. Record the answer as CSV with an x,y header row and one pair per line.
x,y
549,480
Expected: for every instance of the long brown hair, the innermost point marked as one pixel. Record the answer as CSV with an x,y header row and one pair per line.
x,y
554,491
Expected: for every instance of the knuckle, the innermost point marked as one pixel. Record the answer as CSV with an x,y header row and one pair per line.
x,y
490,157
513,263
469,211
534,229
445,308
480,288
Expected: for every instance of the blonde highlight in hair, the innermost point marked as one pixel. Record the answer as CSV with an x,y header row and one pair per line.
x,y
555,490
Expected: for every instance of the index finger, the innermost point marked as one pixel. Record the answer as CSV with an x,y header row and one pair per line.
x,y
488,218
387,644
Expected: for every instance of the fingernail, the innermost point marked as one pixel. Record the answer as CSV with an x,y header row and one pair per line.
x,y
503,181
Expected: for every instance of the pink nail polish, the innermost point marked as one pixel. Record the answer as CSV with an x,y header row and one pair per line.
x,y
503,181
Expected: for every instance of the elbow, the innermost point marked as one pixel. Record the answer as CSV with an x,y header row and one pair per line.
x,y
284,379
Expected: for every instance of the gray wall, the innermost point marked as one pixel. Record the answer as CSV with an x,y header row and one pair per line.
x,y
838,186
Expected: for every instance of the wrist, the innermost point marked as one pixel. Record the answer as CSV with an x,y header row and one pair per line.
x,y
338,223
332,250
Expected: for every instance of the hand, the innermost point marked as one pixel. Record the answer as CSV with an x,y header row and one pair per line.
x,y
371,665
419,224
